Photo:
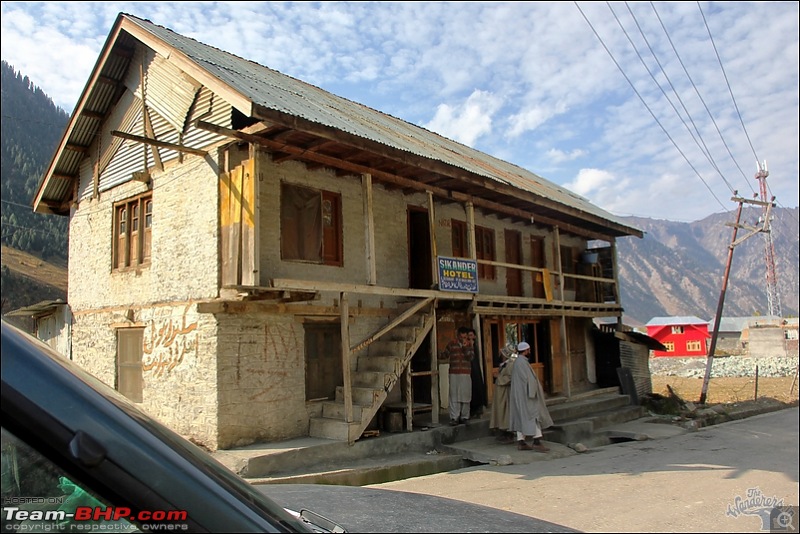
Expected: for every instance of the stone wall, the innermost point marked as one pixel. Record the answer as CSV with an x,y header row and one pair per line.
x,y
179,352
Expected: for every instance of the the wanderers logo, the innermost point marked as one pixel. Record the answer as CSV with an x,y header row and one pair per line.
x,y
775,516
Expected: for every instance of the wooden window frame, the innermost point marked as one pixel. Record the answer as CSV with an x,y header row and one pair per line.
x,y
486,249
132,233
694,346
485,245
327,226
670,346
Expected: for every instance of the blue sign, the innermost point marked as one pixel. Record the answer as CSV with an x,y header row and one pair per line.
x,y
458,274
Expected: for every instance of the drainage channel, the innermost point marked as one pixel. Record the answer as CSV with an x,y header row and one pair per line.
x,y
372,472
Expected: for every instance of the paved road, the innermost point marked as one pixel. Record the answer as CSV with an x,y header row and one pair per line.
x,y
685,483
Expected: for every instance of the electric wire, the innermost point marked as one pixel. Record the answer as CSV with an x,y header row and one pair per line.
x,y
727,82
702,100
622,71
704,148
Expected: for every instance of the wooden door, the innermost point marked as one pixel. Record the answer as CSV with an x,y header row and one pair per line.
x,y
323,360
513,241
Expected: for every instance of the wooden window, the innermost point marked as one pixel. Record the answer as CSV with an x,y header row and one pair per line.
x,y
484,244
670,346
133,219
485,250
311,225
693,346
331,228
677,330
129,379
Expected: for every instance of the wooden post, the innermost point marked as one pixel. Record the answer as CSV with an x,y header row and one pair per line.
x,y
615,272
434,369
369,228
470,209
567,367
434,248
409,397
347,384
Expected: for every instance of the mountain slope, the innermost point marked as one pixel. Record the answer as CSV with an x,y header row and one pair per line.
x,y
677,268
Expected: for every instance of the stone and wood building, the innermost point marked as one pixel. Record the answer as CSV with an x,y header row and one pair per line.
x,y
252,258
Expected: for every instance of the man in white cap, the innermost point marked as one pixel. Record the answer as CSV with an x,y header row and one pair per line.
x,y
528,411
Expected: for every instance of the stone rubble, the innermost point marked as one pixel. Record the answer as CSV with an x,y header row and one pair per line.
x,y
728,366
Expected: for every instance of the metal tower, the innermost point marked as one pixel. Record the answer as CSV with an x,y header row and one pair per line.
x,y
773,295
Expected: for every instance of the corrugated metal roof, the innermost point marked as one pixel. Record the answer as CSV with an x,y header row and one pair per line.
x,y
670,321
251,86
275,91
43,307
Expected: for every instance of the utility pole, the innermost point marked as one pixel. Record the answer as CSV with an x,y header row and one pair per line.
x,y
752,231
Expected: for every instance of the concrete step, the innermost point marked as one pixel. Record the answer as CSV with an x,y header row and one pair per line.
x,y
390,347
586,406
361,395
323,427
386,363
374,379
335,410
586,426
298,458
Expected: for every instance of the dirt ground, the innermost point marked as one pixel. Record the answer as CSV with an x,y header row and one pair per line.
x,y
730,390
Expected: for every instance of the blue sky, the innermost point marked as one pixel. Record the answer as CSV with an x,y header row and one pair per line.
x,y
657,110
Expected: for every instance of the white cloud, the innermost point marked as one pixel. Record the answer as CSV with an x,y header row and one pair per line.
x,y
590,181
529,82
468,121
559,156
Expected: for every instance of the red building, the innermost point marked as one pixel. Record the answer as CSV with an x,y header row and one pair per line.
x,y
682,336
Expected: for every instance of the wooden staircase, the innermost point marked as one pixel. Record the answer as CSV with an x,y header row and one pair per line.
x,y
381,360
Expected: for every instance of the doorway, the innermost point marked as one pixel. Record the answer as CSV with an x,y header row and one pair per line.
x,y
323,360
420,273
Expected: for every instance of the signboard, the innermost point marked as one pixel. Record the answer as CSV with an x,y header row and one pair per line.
x,y
458,274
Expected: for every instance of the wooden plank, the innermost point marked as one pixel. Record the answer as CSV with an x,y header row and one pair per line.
x,y
248,224
347,381
369,229
404,182
308,285
398,320
155,142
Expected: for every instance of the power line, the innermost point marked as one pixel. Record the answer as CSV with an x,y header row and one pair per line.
x,y
702,100
704,148
648,107
727,82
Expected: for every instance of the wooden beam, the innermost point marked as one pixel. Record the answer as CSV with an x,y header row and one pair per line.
x,y
347,386
162,144
76,148
399,181
306,285
92,114
305,125
369,229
